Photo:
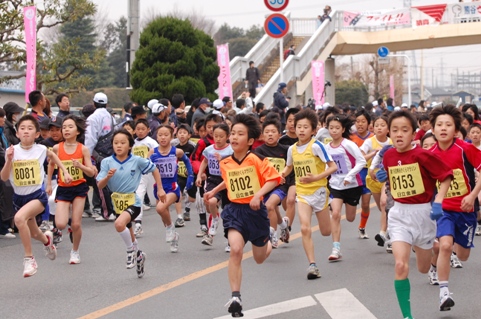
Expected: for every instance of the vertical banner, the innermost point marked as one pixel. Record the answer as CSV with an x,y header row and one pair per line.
x,y
225,87
30,21
391,86
317,70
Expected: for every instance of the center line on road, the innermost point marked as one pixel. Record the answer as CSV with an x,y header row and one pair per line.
x,y
178,282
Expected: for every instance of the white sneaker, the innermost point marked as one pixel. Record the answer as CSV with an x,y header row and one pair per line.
x,y
208,240
50,250
433,277
335,255
74,257
131,259
138,230
455,263
145,207
44,226
174,244
362,233
274,239
112,218
29,267
169,234
227,247
446,302
478,230
285,232
213,226
96,213
8,236
203,231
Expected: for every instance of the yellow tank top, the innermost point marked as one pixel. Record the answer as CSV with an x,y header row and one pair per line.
x,y
305,163
376,145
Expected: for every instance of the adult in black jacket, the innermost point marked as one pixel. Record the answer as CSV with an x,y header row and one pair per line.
x,y
281,102
13,113
252,79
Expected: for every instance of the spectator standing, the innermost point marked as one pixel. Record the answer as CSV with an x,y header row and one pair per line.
x,y
290,51
190,114
63,104
6,191
13,113
281,102
252,78
325,16
203,109
38,101
389,104
128,111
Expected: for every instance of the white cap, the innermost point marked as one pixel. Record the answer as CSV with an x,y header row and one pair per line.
x,y
404,105
100,98
318,107
151,103
326,105
397,108
218,104
374,103
158,108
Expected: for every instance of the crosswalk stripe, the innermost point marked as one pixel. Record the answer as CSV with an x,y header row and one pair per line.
x,y
341,304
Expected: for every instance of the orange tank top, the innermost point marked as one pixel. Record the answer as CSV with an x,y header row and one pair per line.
x,y
66,159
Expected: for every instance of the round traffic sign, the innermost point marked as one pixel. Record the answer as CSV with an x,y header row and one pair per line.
x,y
383,52
276,5
276,25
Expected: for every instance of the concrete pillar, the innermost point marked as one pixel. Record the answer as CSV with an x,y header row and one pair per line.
x,y
330,75
133,28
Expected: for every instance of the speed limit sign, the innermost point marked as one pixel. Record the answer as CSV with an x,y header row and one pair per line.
x,y
276,5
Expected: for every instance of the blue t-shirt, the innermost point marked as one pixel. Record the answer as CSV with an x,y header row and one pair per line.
x,y
127,177
167,166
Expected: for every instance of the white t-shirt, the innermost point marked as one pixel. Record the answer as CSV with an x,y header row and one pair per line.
x,y
27,173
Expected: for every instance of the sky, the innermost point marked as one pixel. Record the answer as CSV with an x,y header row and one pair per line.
x,y
245,13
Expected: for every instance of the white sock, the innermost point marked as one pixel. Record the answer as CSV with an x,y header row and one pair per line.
x,y
125,234
382,233
180,216
283,225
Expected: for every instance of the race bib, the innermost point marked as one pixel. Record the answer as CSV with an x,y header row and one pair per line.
x,y
340,161
26,173
406,181
182,170
194,140
327,140
214,168
122,201
167,166
278,163
242,182
141,150
304,167
457,187
75,172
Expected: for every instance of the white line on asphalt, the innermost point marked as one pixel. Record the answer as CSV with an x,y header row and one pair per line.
x,y
341,304
277,308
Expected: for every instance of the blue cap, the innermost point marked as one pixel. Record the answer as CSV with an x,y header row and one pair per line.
x,y
282,85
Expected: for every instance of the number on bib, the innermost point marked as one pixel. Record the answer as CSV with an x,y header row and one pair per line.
x,y
243,182
340,161
167,166
406,180
278,163
213,163
458,185
304,167
75,172
327,140
122,201
26,173
141,150
182,170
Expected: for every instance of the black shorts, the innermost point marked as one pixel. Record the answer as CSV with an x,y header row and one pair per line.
x,y
253,225
193,191
133,211
221,196
181,181
68,194
350,196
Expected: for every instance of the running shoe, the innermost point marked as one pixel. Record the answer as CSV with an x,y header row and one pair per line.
x,y
362,233
381,240
389,248
446,302
187,215
86,214
29,267
335,255
478,230
131,259
50,249
74,257
44,226
8,235
213,226
455,263
174,244
140,263
274,240
203,231
235,307
433,277
285,234
169,234
179,222
138,230
57,236
227,247
96,213
208,240
145,207
313,272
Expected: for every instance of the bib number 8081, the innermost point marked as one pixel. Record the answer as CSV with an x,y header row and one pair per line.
x,y
24,173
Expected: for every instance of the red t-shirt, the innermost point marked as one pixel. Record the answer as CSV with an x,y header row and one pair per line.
x,y
419,135
463,158
413,174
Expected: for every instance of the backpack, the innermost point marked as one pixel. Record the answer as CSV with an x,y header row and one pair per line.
x,y
104,146
286,53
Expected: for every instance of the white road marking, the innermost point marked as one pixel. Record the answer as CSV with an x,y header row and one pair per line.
x,y
341,304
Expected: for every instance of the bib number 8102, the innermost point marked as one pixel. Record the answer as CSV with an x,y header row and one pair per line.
x,y
240,183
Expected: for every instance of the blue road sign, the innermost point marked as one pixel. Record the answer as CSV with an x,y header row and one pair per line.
x,y
276,25
383,52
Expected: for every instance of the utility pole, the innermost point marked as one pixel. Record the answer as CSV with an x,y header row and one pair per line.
x,y
133,34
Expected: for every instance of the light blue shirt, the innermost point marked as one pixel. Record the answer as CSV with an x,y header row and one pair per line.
x,y
127,177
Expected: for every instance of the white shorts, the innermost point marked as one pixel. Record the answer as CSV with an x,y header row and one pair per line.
x,y
318,201
411,223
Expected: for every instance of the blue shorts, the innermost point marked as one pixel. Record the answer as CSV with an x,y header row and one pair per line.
x,y
460,225
20,200
68,194
277,191
168,190
363,174
253,225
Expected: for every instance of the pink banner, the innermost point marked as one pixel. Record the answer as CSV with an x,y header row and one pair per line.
x,y
317,70
395,17
225,87
391,86
30,21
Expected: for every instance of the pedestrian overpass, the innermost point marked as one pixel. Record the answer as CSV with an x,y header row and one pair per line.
x,y
337,38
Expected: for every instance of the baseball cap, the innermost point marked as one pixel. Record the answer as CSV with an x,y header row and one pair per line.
x,y
326,105
205,100
12,108
44,124
374,103
100,98
218,104
137,110
158,108
55,121
282,85
397,108
151,103
318,107
404,105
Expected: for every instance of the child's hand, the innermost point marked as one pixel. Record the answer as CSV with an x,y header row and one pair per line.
x,y
208,196
217,156
48,189
67,178
9,153
255,203
309,178
111,172
198,181
161,195
76,163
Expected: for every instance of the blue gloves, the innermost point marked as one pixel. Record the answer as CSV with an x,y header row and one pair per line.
x,y
436,211
190,182
381,175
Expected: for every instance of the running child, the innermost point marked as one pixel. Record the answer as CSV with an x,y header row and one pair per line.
x,y
276,154
211,157
412,179
122,172
23,167
247,179
345,184
312,165
144,146
165,157
460,205
76,159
